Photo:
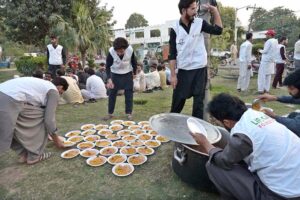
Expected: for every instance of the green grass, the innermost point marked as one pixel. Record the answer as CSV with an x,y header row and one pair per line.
x,y
73,179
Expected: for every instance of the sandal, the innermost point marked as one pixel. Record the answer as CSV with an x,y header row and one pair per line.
x,y
42,157
23,157
129,117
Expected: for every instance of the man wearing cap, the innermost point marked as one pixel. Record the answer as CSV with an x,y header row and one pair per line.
x,y
56,56
266,68
189,56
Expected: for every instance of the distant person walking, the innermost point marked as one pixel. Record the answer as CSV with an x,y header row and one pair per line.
x,y
266,68
188,54
56,56
280,61
297,54
245,63
233,51
121,65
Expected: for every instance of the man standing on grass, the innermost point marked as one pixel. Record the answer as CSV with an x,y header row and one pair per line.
x,y
56,56
245,64
121,65
266,68
27,116
189,56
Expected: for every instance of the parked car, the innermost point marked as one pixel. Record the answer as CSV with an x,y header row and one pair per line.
x,y
219,53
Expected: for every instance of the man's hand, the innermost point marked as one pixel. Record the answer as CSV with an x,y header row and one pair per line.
x,y
174,81
204,144
62,67
267,97
268,112
210,8
249,66
110,84
58,143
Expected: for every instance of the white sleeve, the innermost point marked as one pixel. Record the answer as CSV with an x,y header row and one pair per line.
x,y
249,53
267,47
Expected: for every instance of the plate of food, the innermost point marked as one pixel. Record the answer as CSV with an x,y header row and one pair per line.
x,y
88,132
87,127
129,138
71,153
96,161
119,143
101,126
137,159
145,137
144,150
147,128
116,122
134,127
152,143
162,139
116,127
143,123
105,132
76,139
138,132
87,153
85,145
136,143
116,159
128,123
68,143
123,133
108,151
152,132
72,133
103,143
92,138
122,169
128,150
112,137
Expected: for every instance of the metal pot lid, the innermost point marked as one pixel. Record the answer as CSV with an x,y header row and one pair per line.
x,y
174,126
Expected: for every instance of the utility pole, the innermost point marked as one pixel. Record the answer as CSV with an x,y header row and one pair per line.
x,y
204,14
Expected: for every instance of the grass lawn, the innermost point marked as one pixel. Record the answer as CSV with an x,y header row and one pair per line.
x,y
73,179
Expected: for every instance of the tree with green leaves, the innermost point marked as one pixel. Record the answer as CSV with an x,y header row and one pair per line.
x,y
282,20
136,20
88,29
28,21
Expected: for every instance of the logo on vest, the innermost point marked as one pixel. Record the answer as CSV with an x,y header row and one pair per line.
x,y
181,42
262,121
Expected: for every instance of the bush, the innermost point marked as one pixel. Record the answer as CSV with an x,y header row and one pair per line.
x,y
255,48
27,64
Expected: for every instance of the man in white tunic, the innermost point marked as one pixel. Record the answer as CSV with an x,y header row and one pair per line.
x,y
27,116
95,87
267,65
245,64
261,160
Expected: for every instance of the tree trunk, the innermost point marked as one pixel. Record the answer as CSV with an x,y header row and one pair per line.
x,y
83,58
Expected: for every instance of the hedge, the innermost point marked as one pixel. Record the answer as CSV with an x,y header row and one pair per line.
x,y
28,64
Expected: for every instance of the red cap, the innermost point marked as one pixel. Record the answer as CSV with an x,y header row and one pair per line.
x,y
270,32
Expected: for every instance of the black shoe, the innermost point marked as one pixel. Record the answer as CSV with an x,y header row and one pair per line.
x,y
148,91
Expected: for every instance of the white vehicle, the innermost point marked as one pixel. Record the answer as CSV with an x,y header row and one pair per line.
x,y
219,53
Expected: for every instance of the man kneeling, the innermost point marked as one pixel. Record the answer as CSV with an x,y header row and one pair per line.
x,y
270,151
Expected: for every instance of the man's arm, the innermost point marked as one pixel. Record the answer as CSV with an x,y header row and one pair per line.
x,y
109,63
47,55
291,123
217,28
288,99
64,56
249,54
133,63
267,48
172,58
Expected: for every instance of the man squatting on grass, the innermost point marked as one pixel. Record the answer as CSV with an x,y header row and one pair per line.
x,y
261,160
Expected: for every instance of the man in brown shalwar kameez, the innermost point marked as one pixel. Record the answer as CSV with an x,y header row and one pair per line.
x,y
27,116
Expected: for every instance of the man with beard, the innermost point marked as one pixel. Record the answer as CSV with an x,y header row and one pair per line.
x,y
292,121
189,56
261,159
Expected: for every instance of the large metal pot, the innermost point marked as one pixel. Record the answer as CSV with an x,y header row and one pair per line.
x,y
189,164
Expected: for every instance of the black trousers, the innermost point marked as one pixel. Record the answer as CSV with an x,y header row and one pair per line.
x,y
53,69
191,83
278,75
121,82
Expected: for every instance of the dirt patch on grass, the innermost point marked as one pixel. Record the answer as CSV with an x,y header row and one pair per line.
x,y
11,175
